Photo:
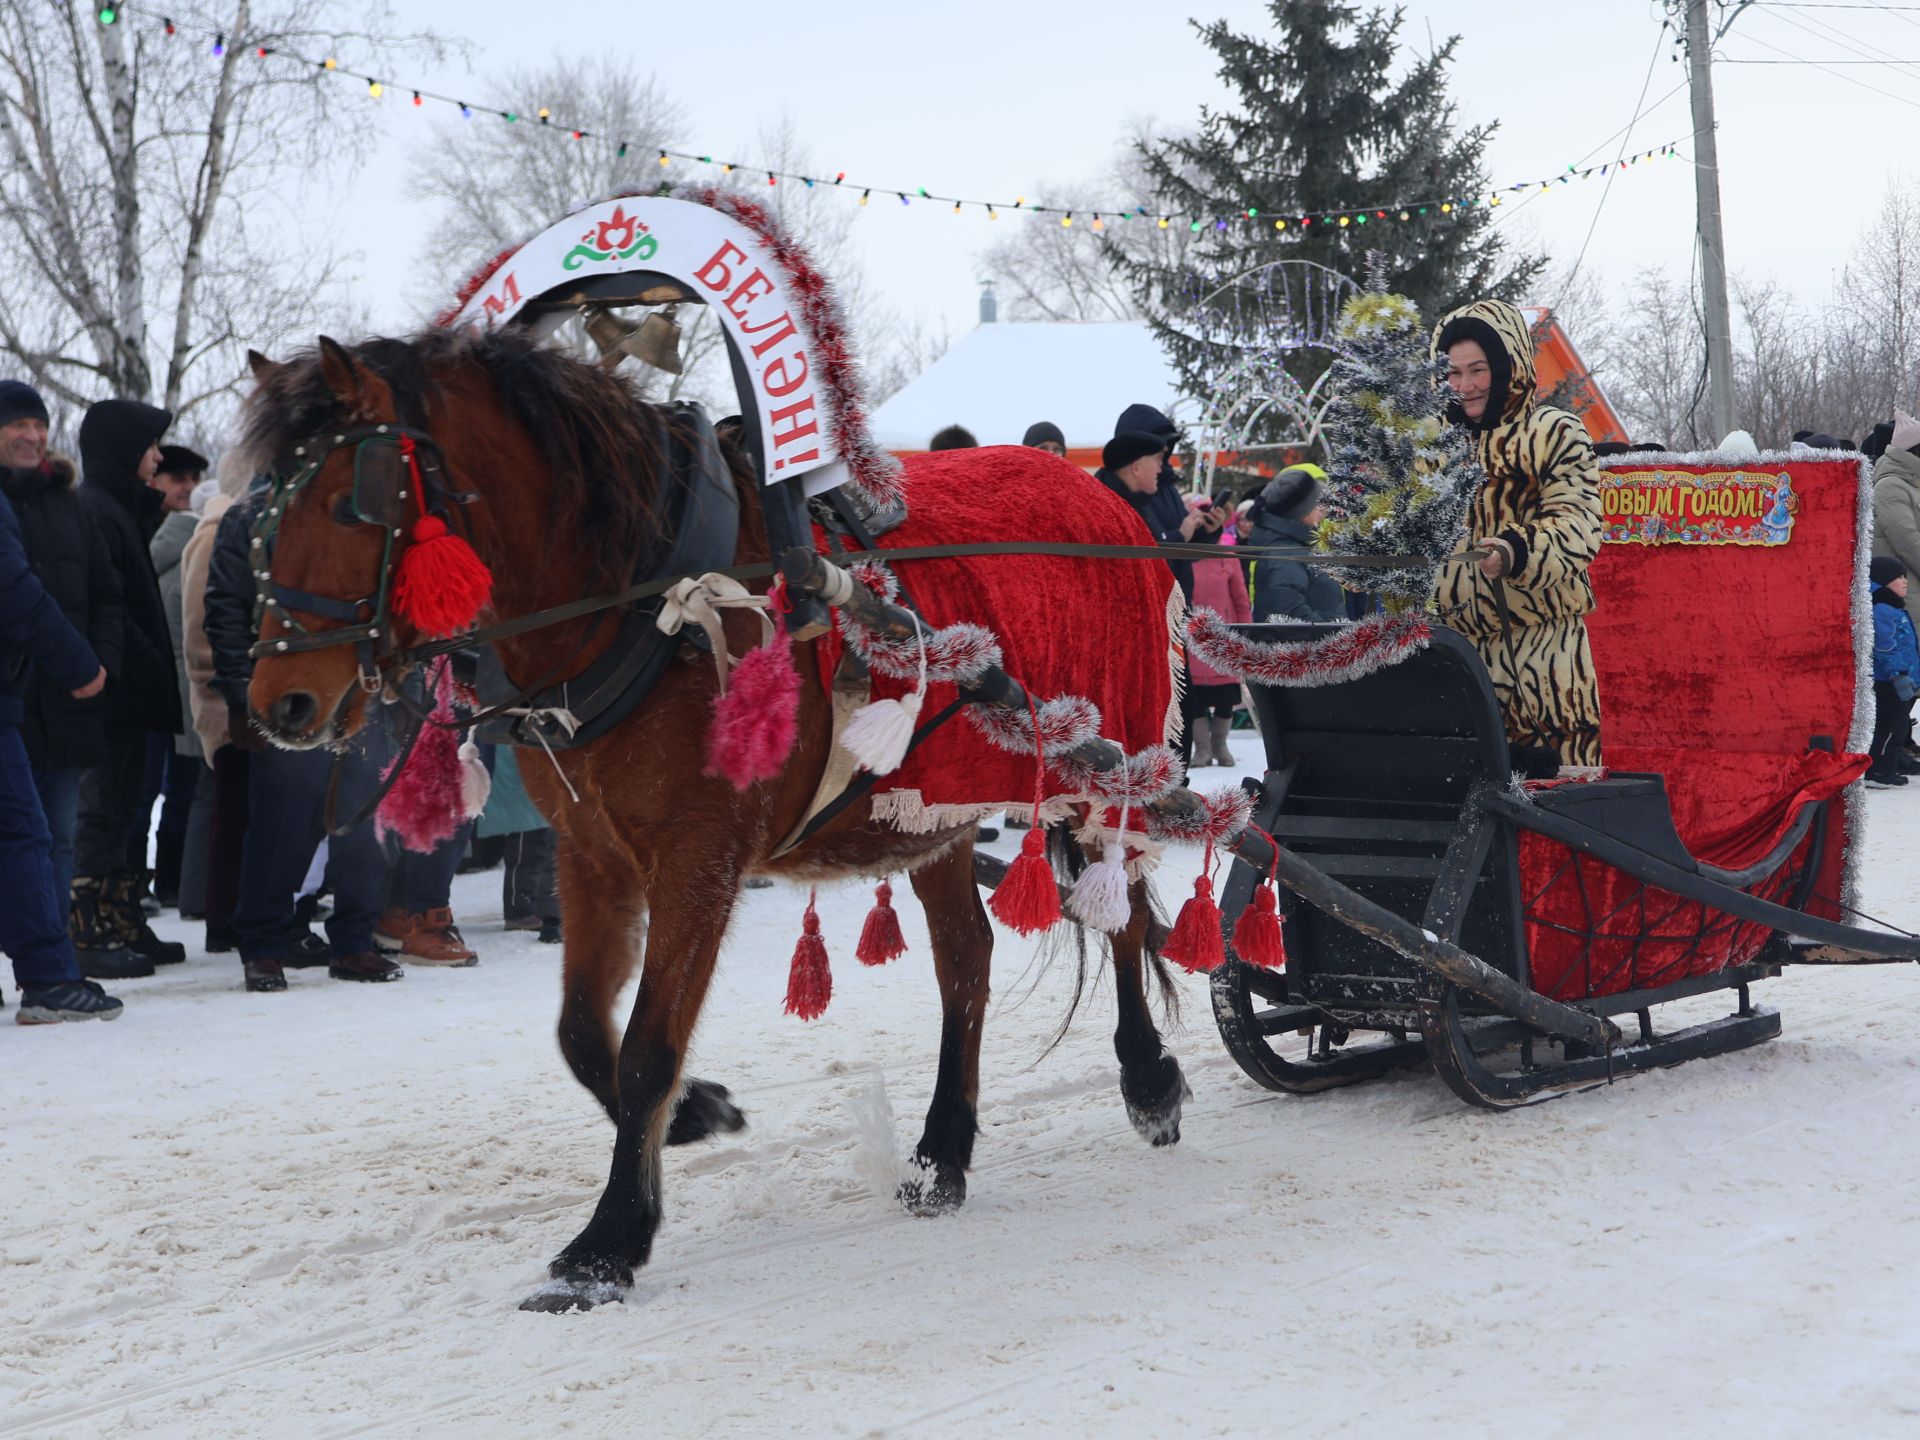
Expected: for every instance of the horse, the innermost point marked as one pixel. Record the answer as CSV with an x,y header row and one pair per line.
x,y
561,466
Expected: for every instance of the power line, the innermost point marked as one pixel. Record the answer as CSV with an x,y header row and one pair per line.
x,y
1838,75
1639,109
1841,37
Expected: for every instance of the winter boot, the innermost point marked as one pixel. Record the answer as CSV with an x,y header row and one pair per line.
x,y
1220,725
96,934
1202,742
124,888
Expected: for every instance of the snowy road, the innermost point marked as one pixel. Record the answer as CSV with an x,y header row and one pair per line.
x,y
312,1214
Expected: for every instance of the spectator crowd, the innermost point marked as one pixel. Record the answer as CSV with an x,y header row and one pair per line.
x,y
132,779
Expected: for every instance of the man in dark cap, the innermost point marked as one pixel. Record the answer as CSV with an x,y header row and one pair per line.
x,y
1292,504
64,735
1133,466
1045,435
119,454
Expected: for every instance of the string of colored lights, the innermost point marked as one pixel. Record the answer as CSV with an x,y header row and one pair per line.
x,y
1406,210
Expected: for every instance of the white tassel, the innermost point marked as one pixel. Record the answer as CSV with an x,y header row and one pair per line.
x,y
1099,899
475,783
879,735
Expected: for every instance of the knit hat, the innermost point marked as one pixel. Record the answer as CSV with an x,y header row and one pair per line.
x,y
1906,431
1294,491
20,401
1041,431
1885,570
1122,450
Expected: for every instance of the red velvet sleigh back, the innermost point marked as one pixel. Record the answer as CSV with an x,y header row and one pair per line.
x,y
1717,663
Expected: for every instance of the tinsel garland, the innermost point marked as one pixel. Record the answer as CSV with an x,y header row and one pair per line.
x,y
1347,654
957,654
829,350
470,287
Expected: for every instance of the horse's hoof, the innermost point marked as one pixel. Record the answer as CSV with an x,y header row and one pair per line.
x,y
1156,1114
704,1110
932,1187
566,1293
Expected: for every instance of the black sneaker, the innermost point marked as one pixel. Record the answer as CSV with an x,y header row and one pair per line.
x,y
115,964
69,1000
1878,779
549,932
306,951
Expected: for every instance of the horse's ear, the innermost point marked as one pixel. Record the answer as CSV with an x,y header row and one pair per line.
x,y
344,377
261,366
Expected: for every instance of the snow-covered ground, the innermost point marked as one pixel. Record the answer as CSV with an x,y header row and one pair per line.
x,y
313,1214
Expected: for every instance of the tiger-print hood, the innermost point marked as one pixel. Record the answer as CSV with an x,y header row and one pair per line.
x,y
1502,332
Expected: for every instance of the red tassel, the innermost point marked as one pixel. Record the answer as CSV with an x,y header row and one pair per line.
x,y
755,722
1028,900
1195,943
440,586
809,981
880,937
1256,934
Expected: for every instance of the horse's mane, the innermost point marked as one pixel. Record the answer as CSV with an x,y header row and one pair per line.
x,y
598,436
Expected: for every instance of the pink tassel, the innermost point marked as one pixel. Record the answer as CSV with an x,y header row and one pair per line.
x,y
755,722
425,806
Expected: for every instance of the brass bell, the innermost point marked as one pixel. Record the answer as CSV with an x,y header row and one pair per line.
x,y
654,341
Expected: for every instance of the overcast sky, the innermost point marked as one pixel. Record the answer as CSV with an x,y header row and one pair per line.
x,y
995,98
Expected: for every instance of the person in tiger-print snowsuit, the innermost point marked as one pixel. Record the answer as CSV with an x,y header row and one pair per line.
x,y
1536,526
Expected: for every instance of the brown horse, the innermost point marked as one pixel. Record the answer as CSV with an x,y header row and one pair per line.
x,y
561,463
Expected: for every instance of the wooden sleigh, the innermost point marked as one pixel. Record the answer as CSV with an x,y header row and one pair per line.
x,y
1408,925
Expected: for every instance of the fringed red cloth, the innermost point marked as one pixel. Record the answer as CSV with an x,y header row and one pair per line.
x,y
1716,664
1096,628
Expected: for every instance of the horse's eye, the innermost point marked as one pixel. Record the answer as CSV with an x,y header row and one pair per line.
x,y
343,510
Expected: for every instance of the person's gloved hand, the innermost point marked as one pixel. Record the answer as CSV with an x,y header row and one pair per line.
x,y
241,729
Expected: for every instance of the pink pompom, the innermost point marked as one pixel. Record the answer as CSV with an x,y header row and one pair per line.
x,y
756,721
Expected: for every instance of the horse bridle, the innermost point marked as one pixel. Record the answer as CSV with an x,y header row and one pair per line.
x,y
413,486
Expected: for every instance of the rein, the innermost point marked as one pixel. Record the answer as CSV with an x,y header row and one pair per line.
x,y
761,570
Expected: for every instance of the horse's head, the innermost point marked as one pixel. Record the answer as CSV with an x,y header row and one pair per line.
x,y
325,541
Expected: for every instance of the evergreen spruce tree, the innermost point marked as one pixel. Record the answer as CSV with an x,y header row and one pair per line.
x,y
1399,477
1321,124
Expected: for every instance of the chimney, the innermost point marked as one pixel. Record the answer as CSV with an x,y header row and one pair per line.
x,y
988,308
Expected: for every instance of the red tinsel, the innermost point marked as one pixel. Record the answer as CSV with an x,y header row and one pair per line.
x,y
809,980
880,937
1347,654
470,287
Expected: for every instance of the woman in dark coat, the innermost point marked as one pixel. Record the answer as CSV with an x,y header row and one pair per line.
x,y
1290,507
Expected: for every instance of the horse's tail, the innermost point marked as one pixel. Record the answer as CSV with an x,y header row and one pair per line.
x,y
1069,862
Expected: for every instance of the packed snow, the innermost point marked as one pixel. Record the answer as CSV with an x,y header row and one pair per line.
x,y
314,1214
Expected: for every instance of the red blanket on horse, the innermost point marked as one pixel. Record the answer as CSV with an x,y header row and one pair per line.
x,y
1103,629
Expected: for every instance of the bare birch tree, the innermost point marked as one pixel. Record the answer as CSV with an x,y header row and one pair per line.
x,y
146,245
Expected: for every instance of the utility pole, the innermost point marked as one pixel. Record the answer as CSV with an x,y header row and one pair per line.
x,y
1713,249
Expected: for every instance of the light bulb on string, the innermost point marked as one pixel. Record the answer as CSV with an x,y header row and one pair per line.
x,y
108,15
1279,224
1098,224
167,25
1163,222
545,114
1066,221
1344,222
466,111
416,99
771,179
329,63
375,89
621,153
219,46
664,161
864,195
992,214
956,207
840,177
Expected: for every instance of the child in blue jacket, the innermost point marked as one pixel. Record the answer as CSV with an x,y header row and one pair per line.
x,y
1896,674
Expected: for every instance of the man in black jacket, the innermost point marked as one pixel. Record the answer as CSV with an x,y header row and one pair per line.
x,y
286,802
119,453
36,638
63,735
